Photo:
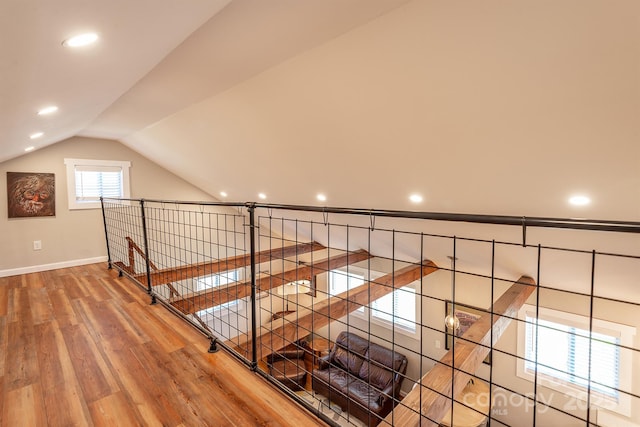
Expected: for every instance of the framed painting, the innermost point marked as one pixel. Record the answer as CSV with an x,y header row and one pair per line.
x,y
31,194
467,315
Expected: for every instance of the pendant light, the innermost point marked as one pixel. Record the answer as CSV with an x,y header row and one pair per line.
x,y
451,321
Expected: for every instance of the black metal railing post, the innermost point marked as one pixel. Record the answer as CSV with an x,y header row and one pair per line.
x,y
252,254
146,251
106,232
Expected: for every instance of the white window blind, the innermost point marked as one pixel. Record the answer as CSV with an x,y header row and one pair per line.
x,y
398,307
562,360
88,180
92,182
569,360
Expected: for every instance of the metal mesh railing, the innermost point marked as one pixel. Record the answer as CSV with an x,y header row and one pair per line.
x,y
345,309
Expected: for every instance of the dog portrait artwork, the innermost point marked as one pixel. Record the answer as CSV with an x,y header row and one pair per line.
x,y
31,194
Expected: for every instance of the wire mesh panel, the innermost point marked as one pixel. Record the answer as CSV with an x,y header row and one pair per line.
x,y
395,319
200,264
125,237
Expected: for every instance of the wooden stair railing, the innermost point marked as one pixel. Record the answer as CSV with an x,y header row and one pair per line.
x,y
197,301
175,274
173,292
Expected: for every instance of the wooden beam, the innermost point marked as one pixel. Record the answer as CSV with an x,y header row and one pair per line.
x,y
197,301
470,350
279,333
174,274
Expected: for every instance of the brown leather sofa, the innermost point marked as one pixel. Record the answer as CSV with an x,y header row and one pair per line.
x,y
362,377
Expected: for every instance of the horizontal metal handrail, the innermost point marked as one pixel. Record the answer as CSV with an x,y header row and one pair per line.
x,y
512,220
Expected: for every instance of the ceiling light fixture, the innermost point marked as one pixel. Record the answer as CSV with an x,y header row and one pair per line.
x,y
415,198
47,110
30,148
223,193
80,40
262,196
579,200
36,135
321,197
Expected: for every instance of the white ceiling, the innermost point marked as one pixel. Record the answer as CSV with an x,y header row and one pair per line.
x,y
140,71
38,71
482,107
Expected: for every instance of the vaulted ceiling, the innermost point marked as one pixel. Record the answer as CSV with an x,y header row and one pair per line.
x,y
480,107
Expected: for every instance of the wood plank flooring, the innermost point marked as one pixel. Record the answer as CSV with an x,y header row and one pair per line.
x,y
82,347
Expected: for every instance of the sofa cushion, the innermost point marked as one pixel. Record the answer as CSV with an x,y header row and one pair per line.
x,y
349,351
378,366
334,377
347,360
367,397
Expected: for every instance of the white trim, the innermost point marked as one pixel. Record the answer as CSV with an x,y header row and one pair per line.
x,y
53,266
72,164
625,332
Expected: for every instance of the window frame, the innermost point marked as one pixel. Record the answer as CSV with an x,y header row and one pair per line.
x,y
72,164
367,313
222,278
625,334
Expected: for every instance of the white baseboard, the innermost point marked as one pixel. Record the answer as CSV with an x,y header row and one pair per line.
x,y
54,266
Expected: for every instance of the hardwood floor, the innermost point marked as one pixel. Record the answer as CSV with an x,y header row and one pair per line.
x,y
80,346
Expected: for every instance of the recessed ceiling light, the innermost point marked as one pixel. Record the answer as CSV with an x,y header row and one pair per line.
x,y
48,110
223,193
31,148
321,197
415,198
262,196
36,135
579,200
80,40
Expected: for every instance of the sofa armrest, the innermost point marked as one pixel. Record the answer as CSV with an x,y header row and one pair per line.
x,y
324,361
386,394
392,390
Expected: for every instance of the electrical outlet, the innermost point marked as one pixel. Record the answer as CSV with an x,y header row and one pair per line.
x,y
438,344
37,245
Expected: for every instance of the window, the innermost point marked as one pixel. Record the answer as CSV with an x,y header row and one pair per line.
x,y
566,368
397,308
341,281
88,180
213,281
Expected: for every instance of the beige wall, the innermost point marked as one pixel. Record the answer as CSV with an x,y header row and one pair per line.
x,y
75,235
445,98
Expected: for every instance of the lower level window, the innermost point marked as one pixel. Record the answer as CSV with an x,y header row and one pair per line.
x,y
397,308
567,357
214,281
